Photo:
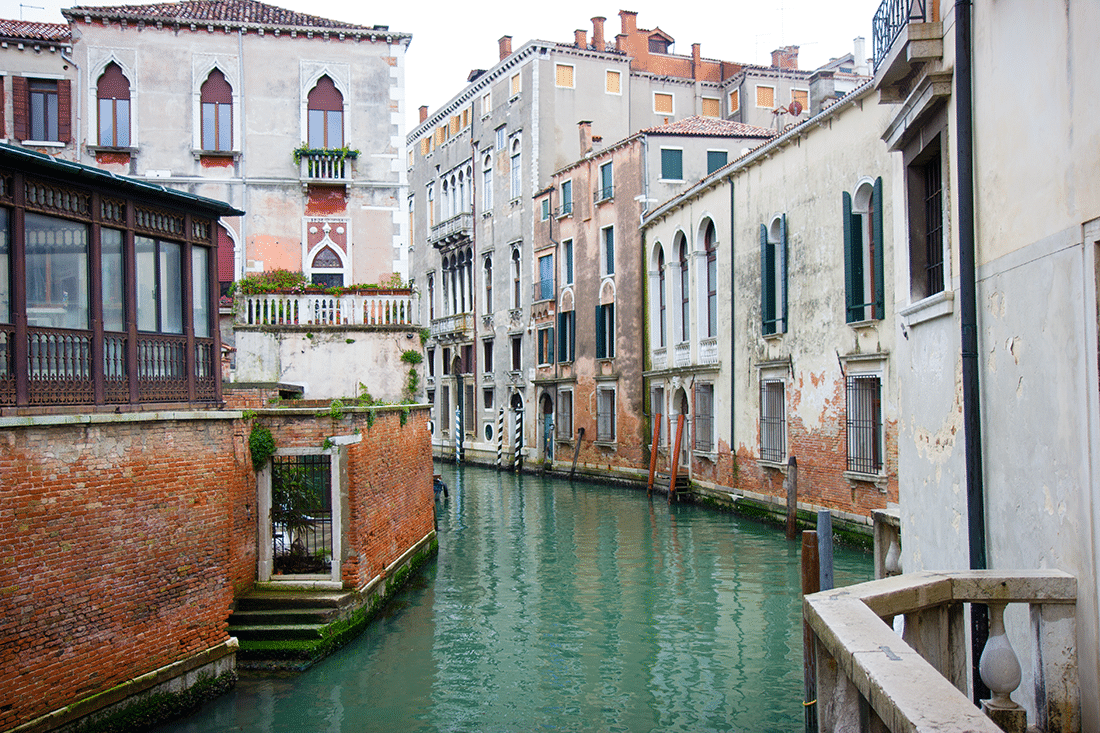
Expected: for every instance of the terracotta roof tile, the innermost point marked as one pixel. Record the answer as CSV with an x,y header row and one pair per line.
x,y
220,11
30,31
710,127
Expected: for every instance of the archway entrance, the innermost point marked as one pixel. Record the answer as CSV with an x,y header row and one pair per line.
x,y
546,414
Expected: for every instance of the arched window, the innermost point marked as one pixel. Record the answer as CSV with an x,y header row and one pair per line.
x,y
685,293
863,252
445,208
515,278
325,115
488,275
487,183
516,173
113,93
709,247
217,112
461,192
431,296
662,300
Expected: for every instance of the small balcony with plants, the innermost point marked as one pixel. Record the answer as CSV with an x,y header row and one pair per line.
x,y
320,166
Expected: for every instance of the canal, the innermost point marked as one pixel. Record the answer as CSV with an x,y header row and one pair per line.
x,y
559,606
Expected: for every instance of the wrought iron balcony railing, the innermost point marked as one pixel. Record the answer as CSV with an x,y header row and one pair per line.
x,y
891,17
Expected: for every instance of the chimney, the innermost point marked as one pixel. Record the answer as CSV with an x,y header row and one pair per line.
x,y
505,47
822,90
629,20
860,54
580,38
585,129
597,33
423,112
785,57
696,62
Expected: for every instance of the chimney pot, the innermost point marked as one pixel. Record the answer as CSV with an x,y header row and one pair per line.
x,y
423,112
580,38
584,128
629,20
505,47
785,57
696,61
597,33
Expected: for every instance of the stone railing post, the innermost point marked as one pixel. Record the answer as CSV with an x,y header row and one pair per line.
x,y
1057,694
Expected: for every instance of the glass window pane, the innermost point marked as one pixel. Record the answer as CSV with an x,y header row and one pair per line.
x,y
51,117
114,291
145,250
57,272
171,287
106,122
225,127
316,128
335,129
208,126
38,116
122,123
5,268
200,286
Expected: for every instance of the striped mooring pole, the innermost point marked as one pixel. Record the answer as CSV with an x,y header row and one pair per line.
x,y
500,438
519,440
458,435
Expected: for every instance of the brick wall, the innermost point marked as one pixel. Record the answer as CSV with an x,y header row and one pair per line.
x,y
124,542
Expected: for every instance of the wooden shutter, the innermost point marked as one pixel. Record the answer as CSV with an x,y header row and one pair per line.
x,y
767,280
711,107
783,270
515,84
849,275
662,103
20,102
735,100
613,82
601,342
765,96
564,75
610,330
876,229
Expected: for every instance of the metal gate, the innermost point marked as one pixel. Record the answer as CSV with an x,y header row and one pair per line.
x,y
301,515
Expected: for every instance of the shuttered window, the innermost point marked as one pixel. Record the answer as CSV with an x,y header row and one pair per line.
x,y
614,79
773,277
802,97
735,100
712,107
564,75
865,293
672,164
765,97
662,103
515,84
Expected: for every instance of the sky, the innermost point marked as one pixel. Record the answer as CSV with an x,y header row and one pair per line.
x,y
451,38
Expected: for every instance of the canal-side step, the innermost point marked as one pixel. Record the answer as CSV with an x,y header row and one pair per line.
x,y
279,616
288,629
661,482
278,632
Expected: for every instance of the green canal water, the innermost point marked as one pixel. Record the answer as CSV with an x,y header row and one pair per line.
x,y
564,606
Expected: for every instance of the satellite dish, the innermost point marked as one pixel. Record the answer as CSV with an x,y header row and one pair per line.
x,y
795,108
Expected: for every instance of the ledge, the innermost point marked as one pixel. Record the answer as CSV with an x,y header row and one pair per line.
x,y
36,421
934,306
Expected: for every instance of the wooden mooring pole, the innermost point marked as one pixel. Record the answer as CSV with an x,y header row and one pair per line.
x,y
576,452
810,584
653,452
791,483
675,469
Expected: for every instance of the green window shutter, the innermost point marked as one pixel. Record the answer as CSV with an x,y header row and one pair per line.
x,y
562,352
672,164
715,160
550,346
849,293
876,229
572,335
610,330
601,343
783,272
767,297
542,351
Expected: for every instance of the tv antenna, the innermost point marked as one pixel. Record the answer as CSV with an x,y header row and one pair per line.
x,y
33,7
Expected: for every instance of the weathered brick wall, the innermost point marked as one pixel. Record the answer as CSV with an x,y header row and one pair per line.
x,y
124,542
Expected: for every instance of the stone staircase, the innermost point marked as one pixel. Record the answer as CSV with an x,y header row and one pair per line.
x,y
289,629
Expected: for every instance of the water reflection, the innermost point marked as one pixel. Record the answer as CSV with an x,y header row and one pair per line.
x,y
564,606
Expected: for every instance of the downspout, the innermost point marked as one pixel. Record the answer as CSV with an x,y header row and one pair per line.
x,y
975,491
733,337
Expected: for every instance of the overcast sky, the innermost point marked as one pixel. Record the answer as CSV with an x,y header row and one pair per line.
x,y
451,38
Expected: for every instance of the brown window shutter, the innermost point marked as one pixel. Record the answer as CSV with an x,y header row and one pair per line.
x,y
3,126
64,111
19,102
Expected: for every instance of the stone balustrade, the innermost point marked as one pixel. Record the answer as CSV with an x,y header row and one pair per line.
x,y
918,682
371,308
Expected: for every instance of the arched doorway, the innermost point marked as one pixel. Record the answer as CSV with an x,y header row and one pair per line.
x,y
682,406
546,415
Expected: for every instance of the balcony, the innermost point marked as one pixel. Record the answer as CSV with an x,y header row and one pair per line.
x,y
452,230
604,193
708,351
381,308
905,34
455,328
918,681
660,358
681,354
325,166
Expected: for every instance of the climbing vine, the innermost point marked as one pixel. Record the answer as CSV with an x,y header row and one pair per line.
x,y
262,445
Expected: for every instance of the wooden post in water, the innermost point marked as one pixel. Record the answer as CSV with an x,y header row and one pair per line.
x,y
810,581
653,452
675,458
792,497
825,549
576,452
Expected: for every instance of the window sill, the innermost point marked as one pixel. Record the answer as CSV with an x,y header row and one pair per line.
x,y
234,154
773,336
486,214
711,456
610,444
93,149
878,479
865,323
566,215
934,306
42,143
670,180
781,467
513,98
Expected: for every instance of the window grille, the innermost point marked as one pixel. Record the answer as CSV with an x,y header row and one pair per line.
x,y
301,514
605,417
864,423
933,217
704,418
773,421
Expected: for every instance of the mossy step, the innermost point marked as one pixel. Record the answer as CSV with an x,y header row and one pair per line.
x,y
278,632
270,600
268,617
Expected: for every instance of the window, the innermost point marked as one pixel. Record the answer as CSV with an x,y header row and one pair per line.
x,y
517,353
487,398
445,411
516,181
662,300
516,296
773,276
567,249
544,209
926,264
658,44
45,120
487,183
431,362
469,409
486,103
773,421
566,198
672,164
605,331
431,205
607,236
607,182
546,277
613,82
710,248
567,336
515,84
735,100
446,361
200,291
325,115
113,93
431,296
565,415
217,112
662,103
564,75
704,418
685,293
657,408
605,414
159,285
712,107
468,360
863,253
801,96
487,274
715,160
864,423
487,356
112,257
502,137
57,274
546,346
765,96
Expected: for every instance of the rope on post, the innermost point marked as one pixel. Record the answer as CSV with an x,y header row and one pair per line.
x,y
500,438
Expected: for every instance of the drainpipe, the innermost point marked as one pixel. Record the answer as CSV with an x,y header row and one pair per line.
x,y
733,332
975,491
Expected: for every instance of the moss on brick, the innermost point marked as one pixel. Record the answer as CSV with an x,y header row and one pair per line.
x,y
148,710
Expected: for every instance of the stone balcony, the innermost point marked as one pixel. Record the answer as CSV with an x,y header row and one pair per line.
x,y
452,230
325,167
459,327
906,36
382,307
